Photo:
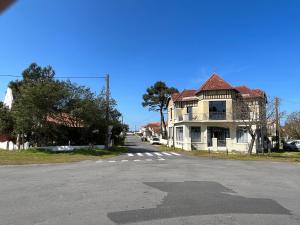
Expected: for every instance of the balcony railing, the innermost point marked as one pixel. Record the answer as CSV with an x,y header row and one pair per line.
x,y
217,115
202,116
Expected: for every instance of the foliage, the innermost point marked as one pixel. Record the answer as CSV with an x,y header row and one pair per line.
x,y
292,125
47,111
6,120
156,99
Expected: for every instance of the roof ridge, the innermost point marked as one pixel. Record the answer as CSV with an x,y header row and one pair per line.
x,y
216,82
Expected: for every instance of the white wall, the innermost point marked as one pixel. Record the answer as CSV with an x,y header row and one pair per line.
x,y
9,145
8,99
69,148
163,141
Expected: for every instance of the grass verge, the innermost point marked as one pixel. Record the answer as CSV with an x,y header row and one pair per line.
x,y
274,156
38,156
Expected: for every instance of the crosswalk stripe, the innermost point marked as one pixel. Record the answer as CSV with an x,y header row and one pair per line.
x,y
174,153
129,154
99,161
148,159
124,160
157,153
136,160
168,154
161,159
112,161
139,154
149,154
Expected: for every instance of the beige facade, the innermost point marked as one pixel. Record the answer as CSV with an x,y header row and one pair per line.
x,y
207,120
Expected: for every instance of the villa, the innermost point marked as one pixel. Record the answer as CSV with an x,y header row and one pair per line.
x,y
208,118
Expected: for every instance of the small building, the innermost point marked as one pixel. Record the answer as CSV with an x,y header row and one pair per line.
x,y
151,130
207,118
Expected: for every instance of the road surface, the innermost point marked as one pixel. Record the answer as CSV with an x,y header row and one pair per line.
x,y
145,186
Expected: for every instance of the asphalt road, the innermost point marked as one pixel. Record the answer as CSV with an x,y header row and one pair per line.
x,y
150,187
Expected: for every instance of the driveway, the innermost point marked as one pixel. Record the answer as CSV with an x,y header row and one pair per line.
x,y
143,187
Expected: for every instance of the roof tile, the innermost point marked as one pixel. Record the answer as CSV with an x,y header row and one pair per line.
x,y
215,82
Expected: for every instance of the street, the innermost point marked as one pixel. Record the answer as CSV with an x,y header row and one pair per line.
x,y
145,186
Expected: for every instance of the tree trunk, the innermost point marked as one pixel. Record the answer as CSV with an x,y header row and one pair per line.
x,y
23,142
162,124
251,144
18,141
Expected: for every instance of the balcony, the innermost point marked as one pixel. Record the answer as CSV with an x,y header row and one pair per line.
x,y
217,115
202,117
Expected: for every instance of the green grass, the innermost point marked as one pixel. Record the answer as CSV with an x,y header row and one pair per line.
x,y
278,156
38,156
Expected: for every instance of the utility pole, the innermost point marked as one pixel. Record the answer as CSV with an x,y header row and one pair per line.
x,y
107,112
277,123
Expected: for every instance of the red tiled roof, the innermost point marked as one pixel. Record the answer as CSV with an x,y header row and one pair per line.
x,y
249,93
215,82
64,119
185,94
5,137
153,125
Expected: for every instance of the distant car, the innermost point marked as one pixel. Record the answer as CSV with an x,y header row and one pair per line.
x,y
154,141
292,145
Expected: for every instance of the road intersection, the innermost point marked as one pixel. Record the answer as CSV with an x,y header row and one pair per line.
x,y
151,189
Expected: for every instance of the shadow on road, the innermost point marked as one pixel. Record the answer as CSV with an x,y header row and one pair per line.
x,y
193,198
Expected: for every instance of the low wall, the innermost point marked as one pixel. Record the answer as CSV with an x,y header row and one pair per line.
x,y
163,141
9,145
69,147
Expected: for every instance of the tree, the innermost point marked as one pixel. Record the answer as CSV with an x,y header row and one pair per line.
x,y
6,120
48,111
254,114
35,102
292,125
156,98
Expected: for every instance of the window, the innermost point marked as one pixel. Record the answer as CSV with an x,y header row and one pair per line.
x,y
242,135
217,110
196,134
189,109
179,133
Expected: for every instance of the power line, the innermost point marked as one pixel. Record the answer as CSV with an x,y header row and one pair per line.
x,y
59,77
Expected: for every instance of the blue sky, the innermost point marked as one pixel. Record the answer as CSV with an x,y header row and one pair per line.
x,y
141,41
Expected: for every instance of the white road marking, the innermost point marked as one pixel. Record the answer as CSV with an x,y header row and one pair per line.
x,y
174,153
161,159
136,160
149,154
124,160
168,154
157,153
99,161
148,159
139,154
129,154
112,161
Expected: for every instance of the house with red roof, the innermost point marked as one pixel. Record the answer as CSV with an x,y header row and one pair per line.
x,y
205,119
151,130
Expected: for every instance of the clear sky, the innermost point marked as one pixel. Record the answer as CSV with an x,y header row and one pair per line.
x,y
254,42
